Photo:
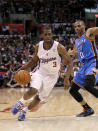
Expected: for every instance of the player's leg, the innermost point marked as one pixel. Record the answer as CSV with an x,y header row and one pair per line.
x,y
48,84
33,90
89,82
89,85
90,78
74,91
79,82
31,106
29,94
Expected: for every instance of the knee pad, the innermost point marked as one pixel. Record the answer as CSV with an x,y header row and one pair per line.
x,y
74,88
89,85
74,92
89,81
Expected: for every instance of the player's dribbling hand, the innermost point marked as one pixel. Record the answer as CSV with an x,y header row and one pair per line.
x,y
66,83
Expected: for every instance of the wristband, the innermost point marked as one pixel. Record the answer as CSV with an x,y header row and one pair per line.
x,y
65,79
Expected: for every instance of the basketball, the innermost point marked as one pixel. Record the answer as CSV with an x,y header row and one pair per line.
x,y
22,77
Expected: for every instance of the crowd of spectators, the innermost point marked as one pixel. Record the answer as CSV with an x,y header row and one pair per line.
x,y
14,52
54,11
48,11
5,8
22,6
6,30
16,49
61,11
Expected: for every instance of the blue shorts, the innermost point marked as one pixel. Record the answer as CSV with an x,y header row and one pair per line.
x,y
85,69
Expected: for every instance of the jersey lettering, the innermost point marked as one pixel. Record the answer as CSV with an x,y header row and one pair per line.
x,y
81,55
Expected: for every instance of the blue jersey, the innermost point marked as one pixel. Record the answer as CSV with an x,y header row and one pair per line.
x,y
87,54
86,49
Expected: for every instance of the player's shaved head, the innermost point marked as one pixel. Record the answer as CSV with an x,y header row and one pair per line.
x,y
80,22
46,28
79,27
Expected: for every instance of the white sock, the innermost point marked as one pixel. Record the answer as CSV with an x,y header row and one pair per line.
x,y
23,101
25,109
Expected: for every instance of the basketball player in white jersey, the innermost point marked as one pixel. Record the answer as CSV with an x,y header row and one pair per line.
x,y
47,53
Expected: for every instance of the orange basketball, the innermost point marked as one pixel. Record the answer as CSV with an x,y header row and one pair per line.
x,y
22,77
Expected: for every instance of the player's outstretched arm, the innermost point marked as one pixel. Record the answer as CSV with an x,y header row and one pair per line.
x,y
62,51
32,61
91,32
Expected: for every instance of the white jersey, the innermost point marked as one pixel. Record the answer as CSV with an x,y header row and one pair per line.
x,y
49,59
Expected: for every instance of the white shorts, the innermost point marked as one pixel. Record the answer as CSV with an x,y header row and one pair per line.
x,y
43,83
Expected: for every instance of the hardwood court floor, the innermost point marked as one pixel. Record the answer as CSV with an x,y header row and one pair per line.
x,y
57,114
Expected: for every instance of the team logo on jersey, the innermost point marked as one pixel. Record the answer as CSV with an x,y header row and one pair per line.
x,y
42,60
81,42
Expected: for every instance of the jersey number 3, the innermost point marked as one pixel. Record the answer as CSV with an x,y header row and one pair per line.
x,y
54,64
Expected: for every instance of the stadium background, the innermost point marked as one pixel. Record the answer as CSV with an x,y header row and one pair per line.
x,y
21,22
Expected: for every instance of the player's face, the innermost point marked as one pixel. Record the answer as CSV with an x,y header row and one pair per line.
x,y
79,27
47,36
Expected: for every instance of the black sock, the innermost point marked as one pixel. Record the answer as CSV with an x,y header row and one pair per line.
x,y
86,106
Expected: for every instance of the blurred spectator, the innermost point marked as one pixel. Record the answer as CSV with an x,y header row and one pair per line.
x,y
1,80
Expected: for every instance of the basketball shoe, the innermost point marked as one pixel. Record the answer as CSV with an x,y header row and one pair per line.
x,y
22,115
16,107
85,113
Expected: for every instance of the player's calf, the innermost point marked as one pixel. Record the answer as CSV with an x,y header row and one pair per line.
x,y
74,92
30,93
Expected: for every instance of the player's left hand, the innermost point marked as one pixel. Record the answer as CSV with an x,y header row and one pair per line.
x,y
66,83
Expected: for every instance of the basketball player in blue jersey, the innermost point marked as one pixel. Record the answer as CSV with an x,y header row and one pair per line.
x,y
86,76
47,53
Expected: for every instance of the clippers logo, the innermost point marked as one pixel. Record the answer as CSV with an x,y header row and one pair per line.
x,y
47,60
